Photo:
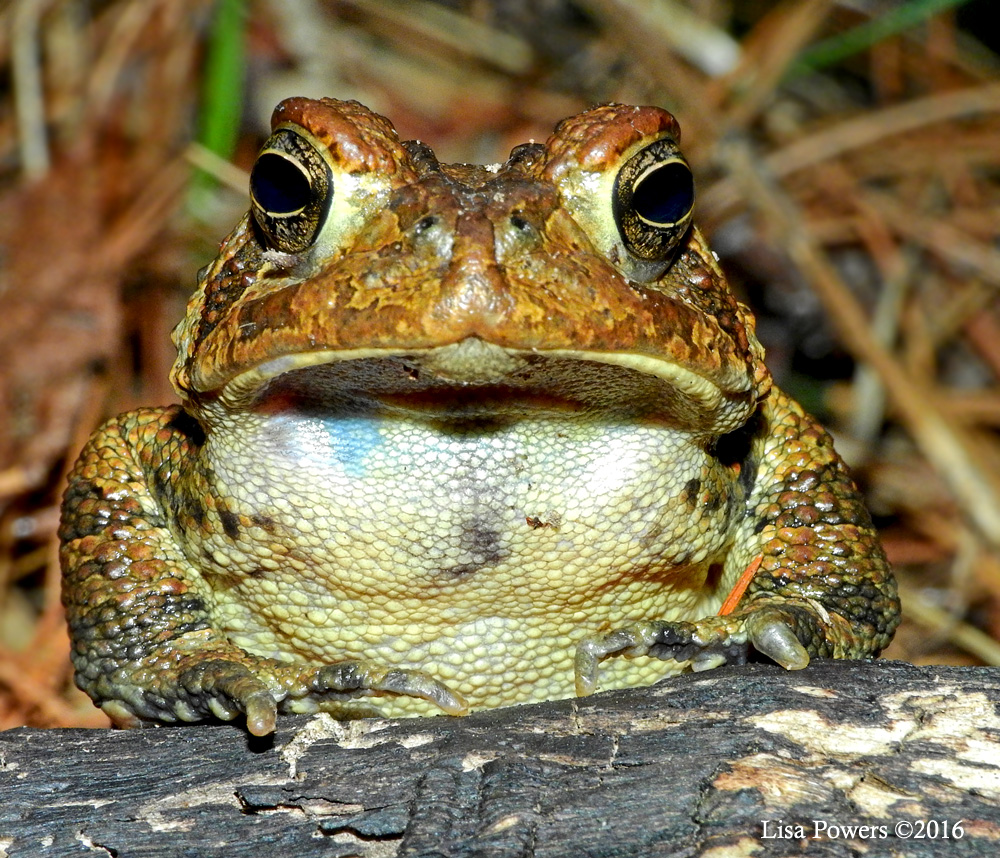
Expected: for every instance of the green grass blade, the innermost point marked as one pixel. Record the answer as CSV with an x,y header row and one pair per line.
x,y
906,15
222,93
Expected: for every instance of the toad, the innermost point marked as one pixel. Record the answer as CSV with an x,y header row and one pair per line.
x,y
456,437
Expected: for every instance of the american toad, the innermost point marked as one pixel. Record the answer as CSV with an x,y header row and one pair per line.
x,y
452,437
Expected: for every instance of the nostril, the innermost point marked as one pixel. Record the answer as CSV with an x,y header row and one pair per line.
x,y
425,224
520,223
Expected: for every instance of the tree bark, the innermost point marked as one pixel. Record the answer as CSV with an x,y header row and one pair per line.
x,y
841,759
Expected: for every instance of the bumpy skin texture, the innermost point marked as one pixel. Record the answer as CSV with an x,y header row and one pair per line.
x,y
454,438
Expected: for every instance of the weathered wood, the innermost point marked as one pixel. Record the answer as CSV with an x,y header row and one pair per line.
x,y
693,766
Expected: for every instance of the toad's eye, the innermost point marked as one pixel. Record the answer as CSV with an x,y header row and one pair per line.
x,y
290,191
280,187
653,200
663,196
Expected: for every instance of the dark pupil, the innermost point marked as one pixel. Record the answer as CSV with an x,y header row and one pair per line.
x,y
278,186
664,195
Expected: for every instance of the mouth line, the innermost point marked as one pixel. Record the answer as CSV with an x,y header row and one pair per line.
x,y
471,368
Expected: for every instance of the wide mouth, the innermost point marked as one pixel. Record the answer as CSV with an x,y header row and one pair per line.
x,y
474,379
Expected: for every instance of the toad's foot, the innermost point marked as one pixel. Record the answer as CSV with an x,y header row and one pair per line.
x,y
226,688
229,688
708,643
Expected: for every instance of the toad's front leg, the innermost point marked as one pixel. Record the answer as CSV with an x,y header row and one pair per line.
x,y
823,587
144,646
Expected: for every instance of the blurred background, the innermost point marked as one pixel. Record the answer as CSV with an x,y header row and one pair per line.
x,y
847,158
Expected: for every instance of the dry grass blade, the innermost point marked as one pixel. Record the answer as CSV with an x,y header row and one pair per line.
x,y
938,439
768,52
929,615
939,236
858,132
874,126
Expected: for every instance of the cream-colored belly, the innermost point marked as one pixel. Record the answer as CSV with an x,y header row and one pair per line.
x,y
479,554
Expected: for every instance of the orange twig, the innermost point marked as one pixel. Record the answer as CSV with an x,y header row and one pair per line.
x,y
733,599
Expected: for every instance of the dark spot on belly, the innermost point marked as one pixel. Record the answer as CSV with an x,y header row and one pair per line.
x,y
690,492
258,572
265,522
482,541
230,523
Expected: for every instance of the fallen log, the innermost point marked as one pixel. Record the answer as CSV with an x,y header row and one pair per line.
x,y
843,758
